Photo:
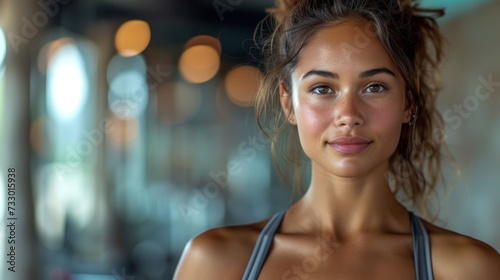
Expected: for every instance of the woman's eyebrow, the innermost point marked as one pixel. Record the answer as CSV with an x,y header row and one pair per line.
x,y
333,75
322,73
373,72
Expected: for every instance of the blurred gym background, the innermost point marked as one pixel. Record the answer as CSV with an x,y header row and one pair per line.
x,y
130,126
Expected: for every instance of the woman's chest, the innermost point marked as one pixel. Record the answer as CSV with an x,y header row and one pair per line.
x,y
326,260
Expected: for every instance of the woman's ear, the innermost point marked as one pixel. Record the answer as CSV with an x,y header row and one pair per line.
x,y
286,104
409,108
407,117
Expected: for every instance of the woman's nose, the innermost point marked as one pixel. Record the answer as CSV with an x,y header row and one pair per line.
x,y
347,111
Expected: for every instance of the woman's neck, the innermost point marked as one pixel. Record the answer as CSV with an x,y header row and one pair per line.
x,y
347,206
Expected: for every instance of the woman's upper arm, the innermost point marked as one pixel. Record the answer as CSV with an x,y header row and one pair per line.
x,y
483,262
462,257
214,254
198,261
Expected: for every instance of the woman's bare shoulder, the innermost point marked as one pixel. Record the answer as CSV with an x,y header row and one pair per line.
x,y
219,253
457,256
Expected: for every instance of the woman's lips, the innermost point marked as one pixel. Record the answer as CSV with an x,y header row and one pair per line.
x,y
349,145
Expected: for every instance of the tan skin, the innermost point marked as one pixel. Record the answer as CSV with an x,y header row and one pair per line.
x,y
348,225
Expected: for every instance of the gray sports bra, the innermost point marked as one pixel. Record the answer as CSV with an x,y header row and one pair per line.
x,y
421,248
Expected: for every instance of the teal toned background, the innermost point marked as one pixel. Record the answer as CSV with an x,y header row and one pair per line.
x,y
121,159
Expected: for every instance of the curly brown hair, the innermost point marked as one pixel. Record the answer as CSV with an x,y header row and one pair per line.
x,y
413,40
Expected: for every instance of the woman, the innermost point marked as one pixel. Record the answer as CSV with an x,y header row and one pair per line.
x,y
355,82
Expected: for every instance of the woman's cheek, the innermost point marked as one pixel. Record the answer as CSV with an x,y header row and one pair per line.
x,y
390,121
313,119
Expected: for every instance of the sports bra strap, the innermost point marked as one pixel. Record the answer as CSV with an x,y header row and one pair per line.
x,y
262,246
421,249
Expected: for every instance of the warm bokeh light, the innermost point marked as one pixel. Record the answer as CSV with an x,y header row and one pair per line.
x,y
199,64
124,132
178,102
132,37
241,84
205,40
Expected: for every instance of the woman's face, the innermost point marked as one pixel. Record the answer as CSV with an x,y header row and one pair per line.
x,y
348,101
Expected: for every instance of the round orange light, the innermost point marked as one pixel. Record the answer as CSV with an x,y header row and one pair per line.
x,y
205,40
132,37
199,64
241,85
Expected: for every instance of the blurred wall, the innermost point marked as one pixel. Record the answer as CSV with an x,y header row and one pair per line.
x,y
469,104
132,134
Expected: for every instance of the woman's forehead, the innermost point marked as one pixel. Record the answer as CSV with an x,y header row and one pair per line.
x,y
347,46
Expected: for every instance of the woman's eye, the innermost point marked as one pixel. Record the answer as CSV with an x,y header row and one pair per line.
x,y
375,88
322,90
